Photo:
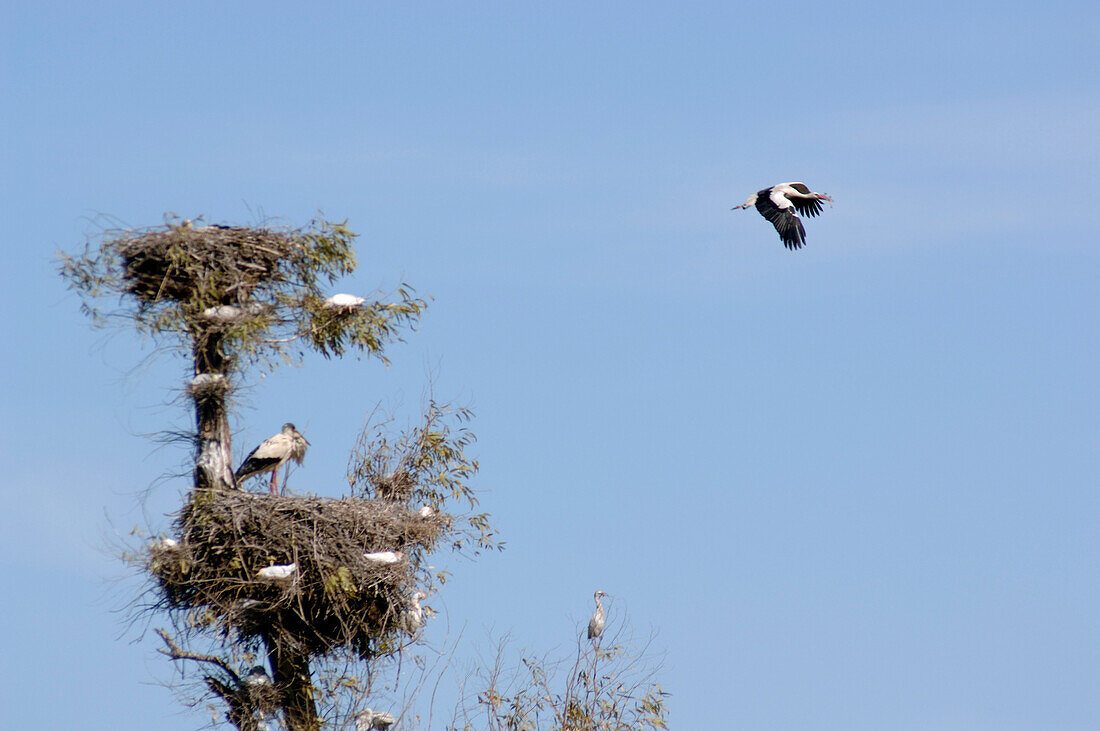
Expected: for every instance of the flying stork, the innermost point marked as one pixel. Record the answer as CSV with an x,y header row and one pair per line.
x,y
272,454
599,619
781,204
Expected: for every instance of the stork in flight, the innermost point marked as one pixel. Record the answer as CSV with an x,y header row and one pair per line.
x,y
599,619
781,204
272,454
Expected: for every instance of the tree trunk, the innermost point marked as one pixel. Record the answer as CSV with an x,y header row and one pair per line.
x,y
290,668
209,389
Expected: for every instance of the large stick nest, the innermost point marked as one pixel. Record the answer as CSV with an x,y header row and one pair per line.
x,y
181,262
335,598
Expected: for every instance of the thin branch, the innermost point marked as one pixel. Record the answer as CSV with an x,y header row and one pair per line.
x,y
176,652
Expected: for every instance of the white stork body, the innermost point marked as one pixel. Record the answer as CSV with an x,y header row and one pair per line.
x,y
272,454
781,204
599,619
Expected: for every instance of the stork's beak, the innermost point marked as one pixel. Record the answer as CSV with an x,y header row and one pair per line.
x,y
824,197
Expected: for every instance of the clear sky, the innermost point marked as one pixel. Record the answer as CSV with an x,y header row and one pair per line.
x,y
850,487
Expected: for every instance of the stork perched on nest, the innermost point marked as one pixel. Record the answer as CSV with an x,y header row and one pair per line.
x,y
272,454
599,619
781,204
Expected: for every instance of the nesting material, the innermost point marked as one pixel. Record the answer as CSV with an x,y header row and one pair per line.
x,y
327,594
178,262
208,386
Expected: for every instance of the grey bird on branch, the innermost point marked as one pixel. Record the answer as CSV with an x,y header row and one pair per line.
x,y
257,676
781,204
272,454
599,619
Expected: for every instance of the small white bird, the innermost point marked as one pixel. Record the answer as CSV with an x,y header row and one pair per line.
x,y
343,302
278,573
599,619
272,454
781,204
166,544
384,556
426,511
226,314
223,314
368,720
207,382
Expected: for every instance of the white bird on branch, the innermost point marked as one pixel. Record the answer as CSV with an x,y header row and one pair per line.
x,y
278,573
599,619
343,302
368,720
781,204
272,454
384,556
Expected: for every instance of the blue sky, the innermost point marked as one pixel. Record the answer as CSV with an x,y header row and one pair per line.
x,y
851,487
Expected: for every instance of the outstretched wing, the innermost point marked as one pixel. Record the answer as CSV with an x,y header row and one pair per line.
x,y
806,206
780,212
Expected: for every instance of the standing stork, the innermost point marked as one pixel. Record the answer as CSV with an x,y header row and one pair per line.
x,y
272,454
599,619
781,204
412,619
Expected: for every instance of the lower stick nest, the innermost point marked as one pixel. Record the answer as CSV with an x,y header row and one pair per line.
x,y
321,591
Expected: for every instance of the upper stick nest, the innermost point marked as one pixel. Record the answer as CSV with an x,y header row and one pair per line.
x,y
257,292
335,597
224,261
